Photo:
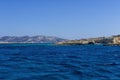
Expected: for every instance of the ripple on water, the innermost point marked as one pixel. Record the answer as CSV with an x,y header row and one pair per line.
x,y
36,62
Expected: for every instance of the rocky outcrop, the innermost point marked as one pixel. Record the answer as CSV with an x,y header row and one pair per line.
x,y
113,40
116,40
30,39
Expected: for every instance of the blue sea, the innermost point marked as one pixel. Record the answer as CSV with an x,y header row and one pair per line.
x,y
59,62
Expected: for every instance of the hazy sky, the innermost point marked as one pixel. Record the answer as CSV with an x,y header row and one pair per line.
x,y
72,19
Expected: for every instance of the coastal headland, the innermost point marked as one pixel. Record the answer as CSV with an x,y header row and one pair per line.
x,y
112,40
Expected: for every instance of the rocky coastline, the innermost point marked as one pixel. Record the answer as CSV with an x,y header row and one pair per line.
x,y
112,40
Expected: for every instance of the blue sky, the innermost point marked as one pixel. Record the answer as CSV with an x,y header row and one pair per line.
x,y
71,19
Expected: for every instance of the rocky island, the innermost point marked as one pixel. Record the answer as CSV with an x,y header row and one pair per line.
x,y
112,40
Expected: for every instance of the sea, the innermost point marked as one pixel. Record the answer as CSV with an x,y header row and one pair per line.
x,y
59,62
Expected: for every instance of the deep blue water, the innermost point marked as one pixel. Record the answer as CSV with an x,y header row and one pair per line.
x,y
53,62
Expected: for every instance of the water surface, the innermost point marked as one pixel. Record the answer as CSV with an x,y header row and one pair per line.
x,y
53,62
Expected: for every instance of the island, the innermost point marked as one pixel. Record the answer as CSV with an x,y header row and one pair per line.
x,y
30,39
112,40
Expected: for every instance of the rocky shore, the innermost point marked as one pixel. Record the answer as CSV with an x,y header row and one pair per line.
x,y
113,40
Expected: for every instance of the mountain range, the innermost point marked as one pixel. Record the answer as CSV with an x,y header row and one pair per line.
x,y
30,39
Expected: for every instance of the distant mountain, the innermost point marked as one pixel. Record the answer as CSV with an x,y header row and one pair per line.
x,y
30,39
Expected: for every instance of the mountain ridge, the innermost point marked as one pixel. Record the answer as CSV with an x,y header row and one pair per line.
x,y
31,39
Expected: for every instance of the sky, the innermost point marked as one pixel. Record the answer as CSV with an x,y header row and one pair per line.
x,y
70,19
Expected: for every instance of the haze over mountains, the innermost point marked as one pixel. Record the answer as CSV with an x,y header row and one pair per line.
x,y
30,39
